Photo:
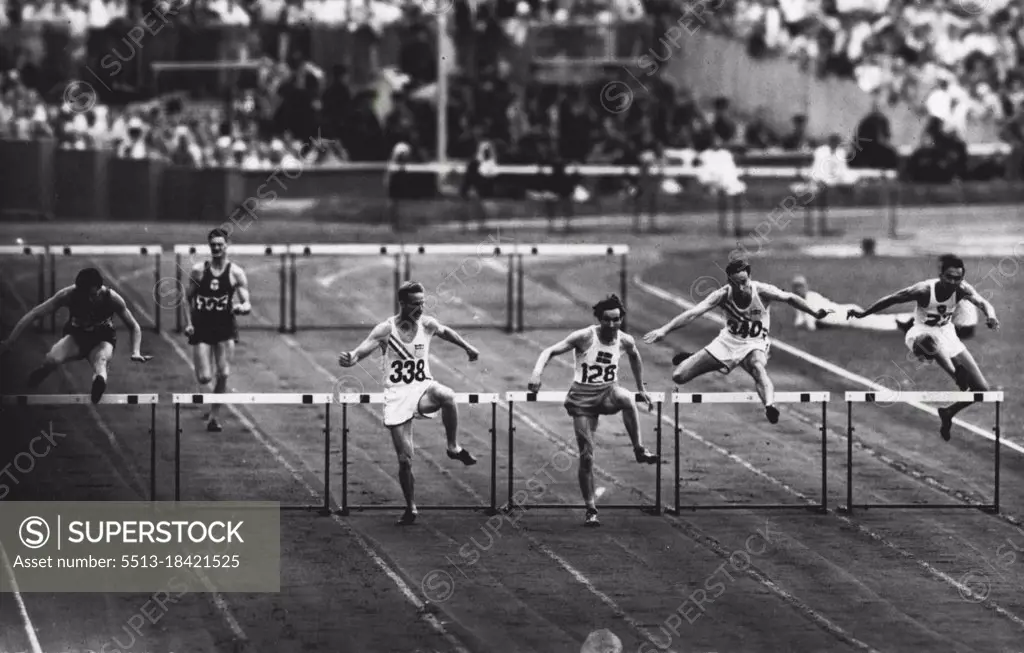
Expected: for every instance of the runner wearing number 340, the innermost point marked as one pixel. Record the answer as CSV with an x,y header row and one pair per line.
x,y
743,342
409,389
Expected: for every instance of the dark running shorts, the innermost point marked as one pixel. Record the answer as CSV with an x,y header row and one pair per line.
x,y
87,340
590,400
213,333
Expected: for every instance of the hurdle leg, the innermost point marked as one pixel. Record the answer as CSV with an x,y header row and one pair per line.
x,y
623,273
657,472
294,295
282,276
824,456
53,291
494,460
152,452
398,279
344,459
177,452
177,305
522,291
42,288
678,479
849,456
511,450
156,300
510,295
326,510
998,447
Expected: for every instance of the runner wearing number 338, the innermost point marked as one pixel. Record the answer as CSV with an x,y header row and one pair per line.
x,y
744,340
595,390
409,389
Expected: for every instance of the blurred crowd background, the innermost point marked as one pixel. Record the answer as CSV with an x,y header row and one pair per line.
x,y
248,83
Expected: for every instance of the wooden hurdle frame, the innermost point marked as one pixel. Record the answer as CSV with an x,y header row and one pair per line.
x,y
237,250
38,251
263,399
890,397
150,400
657,398
156,251
355,398
751,398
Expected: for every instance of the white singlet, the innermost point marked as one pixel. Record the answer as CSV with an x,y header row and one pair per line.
x,y
745,324
406,363
598,365
936,314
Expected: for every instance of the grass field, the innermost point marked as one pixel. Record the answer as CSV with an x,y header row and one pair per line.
x,y
724,581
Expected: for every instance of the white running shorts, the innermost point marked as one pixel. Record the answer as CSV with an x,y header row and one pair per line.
x,y
731,351
401,403
946,340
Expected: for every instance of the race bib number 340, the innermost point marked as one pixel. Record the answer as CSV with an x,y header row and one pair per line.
x,y
746,328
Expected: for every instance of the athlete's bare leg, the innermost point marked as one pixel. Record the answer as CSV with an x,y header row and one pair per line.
x,y
65,349
98,358
439,397
696,365
584,427
971,375
755,365
223,354
626,402
401,437
926,346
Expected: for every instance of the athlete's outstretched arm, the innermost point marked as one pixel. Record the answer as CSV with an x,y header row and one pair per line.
x,y
133,326
49,306
242,286
908,294
366,347
687,316
449,334
637,365
774,293
565,345
968,292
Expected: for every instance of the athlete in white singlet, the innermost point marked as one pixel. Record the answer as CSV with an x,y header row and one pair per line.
x,y
409,390
744,340
595,390
933,335
965,316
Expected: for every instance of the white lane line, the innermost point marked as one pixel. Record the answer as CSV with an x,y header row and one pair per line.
x,y
30,630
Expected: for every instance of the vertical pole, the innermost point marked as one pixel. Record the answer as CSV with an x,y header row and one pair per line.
x,y
676,483
442,92
723,214
823,212
177,452
53,291
408,266
156,286
519,296
344,459
849,456
294,295
284,290
42,287
824,456
327,459
622,287
494,457
511,451
510,295
657,471
398,278
178,304
152,452
997,458
893,199
737,207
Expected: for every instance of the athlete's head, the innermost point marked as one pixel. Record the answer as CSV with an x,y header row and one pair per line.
x,y
410,300
89,281
800,286
610,312
218,240
738,272
951,270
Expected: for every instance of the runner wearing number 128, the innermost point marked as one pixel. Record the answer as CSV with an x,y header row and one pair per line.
x,y
409,389
743,342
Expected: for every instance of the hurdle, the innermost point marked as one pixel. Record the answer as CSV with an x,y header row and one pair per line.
x,y
233,250
622,251
354,398
308,250
752,398
155,251
657,398
897,396
150,400
27,250
280,399
478,251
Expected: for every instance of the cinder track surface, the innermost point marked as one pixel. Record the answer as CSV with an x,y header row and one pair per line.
x,y
746,581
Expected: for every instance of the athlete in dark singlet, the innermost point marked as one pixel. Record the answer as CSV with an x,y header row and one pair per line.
x,y
89,332
210,322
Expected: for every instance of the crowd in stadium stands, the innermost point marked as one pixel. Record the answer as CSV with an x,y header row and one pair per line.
x,y
900,48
